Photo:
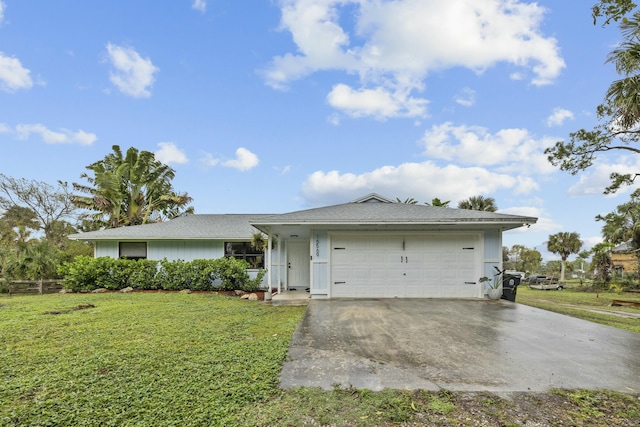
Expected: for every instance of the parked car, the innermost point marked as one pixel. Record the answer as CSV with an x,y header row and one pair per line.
x,y
542,282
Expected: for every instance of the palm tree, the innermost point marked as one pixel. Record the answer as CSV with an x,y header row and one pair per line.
x,y
438,203
479,203
564,244
407,201
130,190
623,95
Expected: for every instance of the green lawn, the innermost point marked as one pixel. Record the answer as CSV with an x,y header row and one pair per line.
x,y
138,359
170,359
592,306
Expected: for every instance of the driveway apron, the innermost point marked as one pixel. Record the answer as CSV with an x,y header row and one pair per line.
x,y
465,345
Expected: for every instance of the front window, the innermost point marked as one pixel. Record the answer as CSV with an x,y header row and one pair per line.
x,y
244,250
133,250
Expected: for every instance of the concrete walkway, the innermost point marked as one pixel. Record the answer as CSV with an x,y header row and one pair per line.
x,y
466,345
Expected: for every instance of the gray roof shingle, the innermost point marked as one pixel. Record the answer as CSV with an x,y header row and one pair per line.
x,y
371,209
189,227
385,213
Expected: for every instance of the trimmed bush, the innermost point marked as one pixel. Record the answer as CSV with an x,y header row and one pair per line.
x,y
86,274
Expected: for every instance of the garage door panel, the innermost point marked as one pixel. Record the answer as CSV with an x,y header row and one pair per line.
x,y
414,266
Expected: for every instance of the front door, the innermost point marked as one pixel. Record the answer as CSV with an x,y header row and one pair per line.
x,y
298,255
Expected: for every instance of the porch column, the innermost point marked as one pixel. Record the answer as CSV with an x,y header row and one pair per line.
x,y
269,265
280,261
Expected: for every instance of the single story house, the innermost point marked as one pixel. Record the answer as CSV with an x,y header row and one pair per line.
x,y
369,248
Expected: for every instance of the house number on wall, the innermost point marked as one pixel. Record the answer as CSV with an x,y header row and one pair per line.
x,y
317,246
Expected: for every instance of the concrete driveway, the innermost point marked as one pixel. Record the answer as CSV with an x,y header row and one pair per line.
x,y
465,345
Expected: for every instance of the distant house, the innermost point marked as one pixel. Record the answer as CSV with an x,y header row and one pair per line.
x,y
368,248
624,259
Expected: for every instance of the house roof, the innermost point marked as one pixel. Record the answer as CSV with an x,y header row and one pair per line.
x,y
372,210
356,213
623,247
189,227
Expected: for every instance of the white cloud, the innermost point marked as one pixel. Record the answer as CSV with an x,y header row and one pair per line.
x,y
208,160
282,170
200,5
393,46
508,150
558,117
244,160
596,178
170,153
63,136
409,180
2,7
544,224
378,102
13,75
131,74
466,98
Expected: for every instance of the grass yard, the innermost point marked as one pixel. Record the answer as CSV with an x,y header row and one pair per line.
x,y
592,306
170,359
143,359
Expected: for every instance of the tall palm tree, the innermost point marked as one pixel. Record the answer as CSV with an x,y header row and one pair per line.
x,y
479,203
130,190
623,95
564,244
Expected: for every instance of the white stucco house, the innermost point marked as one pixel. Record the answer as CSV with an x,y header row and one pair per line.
x,y
368,248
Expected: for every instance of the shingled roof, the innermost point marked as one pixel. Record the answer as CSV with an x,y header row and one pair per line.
x,y
189,227
369,210
389,213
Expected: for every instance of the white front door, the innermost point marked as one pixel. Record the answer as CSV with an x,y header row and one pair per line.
x,y
298,260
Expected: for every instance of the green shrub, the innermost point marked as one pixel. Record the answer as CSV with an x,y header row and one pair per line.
x,y
80,274
173,275
202,274
145,275
86,274
253,285
232,272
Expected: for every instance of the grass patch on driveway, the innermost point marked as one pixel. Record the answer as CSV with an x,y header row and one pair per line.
x,y
169,359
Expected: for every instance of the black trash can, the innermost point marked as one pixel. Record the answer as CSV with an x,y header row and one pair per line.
x,y
510,287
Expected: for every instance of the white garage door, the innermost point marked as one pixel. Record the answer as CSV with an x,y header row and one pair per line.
x,y
405,266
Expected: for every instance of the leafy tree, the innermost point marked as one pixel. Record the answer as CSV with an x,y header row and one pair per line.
x,y
130,189
479,203
619,115
49,205
601,263
505,259
32,260
439,203
564,244
611,10
553,268
524,259
623,224
407,201
16,225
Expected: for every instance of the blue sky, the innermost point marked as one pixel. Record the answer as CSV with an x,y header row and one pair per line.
x,y
292,104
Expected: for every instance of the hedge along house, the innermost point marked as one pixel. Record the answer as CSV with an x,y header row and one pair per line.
x,y
368,248
186,238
